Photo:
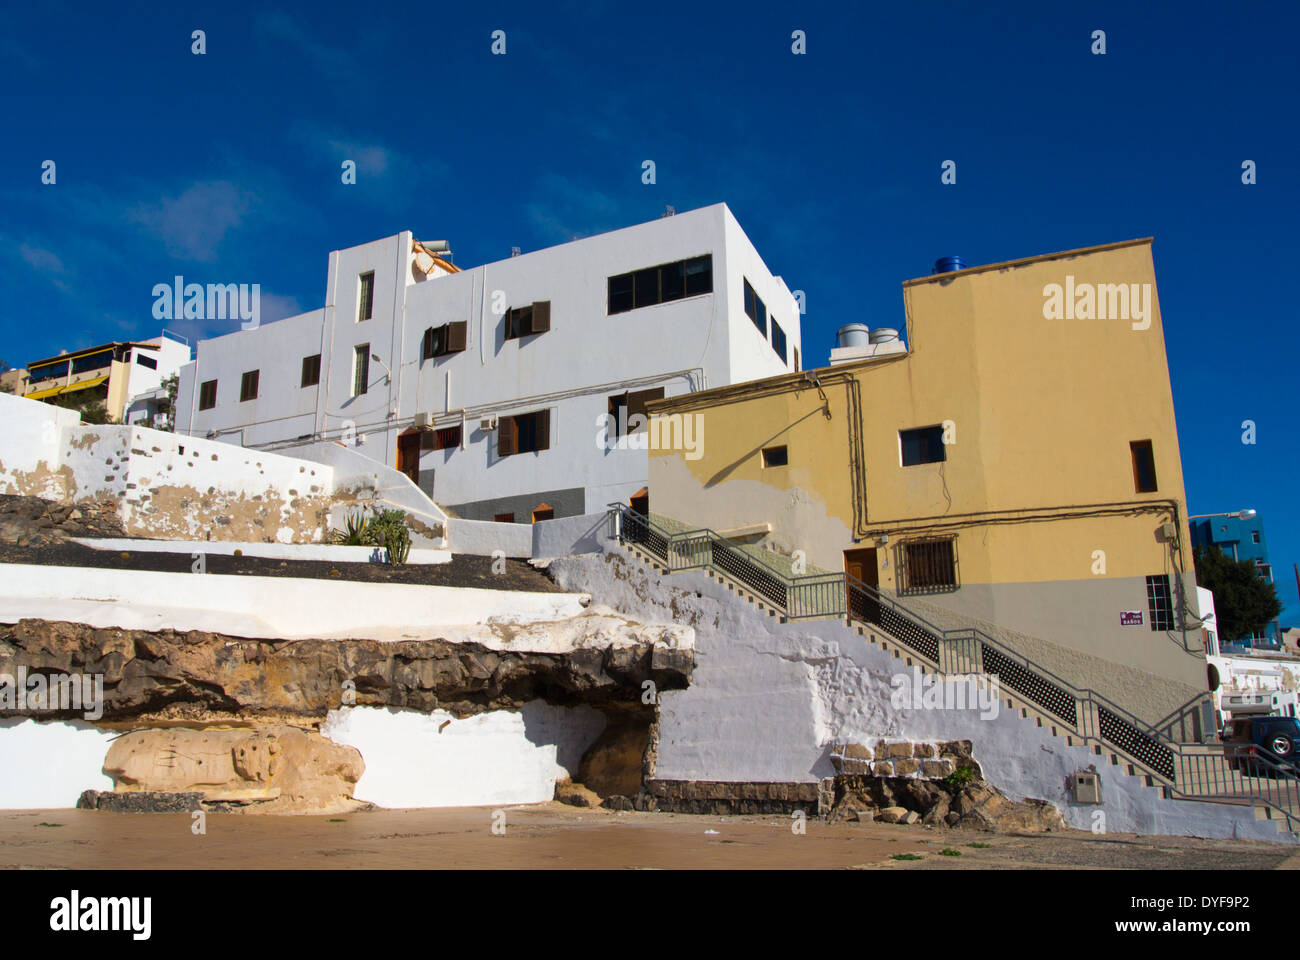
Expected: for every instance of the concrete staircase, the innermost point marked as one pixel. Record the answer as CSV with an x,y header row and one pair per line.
x,y
1237,790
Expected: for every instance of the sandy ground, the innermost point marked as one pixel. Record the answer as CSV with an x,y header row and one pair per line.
x,y
557,836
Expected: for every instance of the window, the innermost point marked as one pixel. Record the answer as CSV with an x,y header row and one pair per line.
x,y
1254,536
248,386
146,361
366,297
1144,466
1159,602
360,369
311,370
524,321
778,340
796,359
755,309
446,438
775,457
661,284
443,340
624,406
526,433
92,361
543,511
48,372
922,445
208,395
929,565
503,518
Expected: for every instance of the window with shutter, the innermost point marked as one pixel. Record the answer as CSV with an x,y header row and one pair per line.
x,y
507,437
541,316
454,342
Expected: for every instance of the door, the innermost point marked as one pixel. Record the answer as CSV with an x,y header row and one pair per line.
x,y
408,455
860,565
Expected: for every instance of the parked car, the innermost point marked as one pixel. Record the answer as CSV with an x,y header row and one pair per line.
x,y
1274,740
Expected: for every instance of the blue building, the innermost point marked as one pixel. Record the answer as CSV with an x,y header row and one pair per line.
x,y
1241,539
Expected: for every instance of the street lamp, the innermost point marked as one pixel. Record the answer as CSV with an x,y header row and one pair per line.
x,y
387,370
1246,514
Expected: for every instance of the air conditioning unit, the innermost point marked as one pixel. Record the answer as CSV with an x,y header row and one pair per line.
x,y
424,421
487,423
1168,532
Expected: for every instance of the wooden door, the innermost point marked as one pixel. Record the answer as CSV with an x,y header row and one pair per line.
x,y
860,565
408,455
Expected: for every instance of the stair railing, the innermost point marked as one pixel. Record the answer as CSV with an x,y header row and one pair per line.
x,y
1188,768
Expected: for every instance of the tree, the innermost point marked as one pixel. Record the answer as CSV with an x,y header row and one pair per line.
x,y
1244,602
92,411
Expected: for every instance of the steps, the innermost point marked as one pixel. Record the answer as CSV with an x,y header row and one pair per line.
x,y
1237,791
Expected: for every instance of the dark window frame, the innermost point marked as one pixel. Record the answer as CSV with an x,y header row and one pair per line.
x,y
146,361
1144,466
782,351
928,565
755,308
448,438
207,398
918,446
310,371
360,370
1160,602
778,456
524,433
647,287
247,387
366,296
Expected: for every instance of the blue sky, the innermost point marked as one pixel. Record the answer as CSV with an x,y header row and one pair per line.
x,y
225,167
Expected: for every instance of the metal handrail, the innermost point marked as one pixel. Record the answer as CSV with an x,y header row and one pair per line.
x,y
1183,767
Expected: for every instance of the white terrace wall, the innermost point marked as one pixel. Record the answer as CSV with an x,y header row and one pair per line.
x,y
185,488
164,485
29,447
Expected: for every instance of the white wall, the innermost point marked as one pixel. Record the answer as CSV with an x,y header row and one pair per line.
x,y
48,765
483,537
277,607
436,760
30,434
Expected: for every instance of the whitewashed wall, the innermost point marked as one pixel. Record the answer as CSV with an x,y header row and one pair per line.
x,y
436,760
30,446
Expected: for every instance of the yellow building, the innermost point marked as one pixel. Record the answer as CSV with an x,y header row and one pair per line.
x,y
111,373
1014,468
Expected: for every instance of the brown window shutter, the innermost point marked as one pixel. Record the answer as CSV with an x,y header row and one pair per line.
x,y
455,337
543,429
541,316
507,437
636,401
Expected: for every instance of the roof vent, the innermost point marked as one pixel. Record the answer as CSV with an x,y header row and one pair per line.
x,y
852,335
949,265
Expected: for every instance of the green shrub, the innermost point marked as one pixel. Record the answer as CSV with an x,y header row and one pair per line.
x,y
959,778
355,532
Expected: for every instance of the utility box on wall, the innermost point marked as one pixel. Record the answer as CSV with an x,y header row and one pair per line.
x,y
1085,787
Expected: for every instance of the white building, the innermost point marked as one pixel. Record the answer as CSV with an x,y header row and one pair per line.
x,y
125,376
491,386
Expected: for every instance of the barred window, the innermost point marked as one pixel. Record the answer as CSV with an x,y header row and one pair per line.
x,y
1160,602
366,297
929,565
360,369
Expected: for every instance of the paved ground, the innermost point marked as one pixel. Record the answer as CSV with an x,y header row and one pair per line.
x,y
462,571
556,836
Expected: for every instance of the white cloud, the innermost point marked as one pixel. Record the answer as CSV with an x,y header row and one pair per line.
x,y
193,224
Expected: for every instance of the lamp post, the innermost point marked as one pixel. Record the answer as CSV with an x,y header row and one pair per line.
x,y
1246,514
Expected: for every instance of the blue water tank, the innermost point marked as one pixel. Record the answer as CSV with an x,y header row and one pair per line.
x,y
949,264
